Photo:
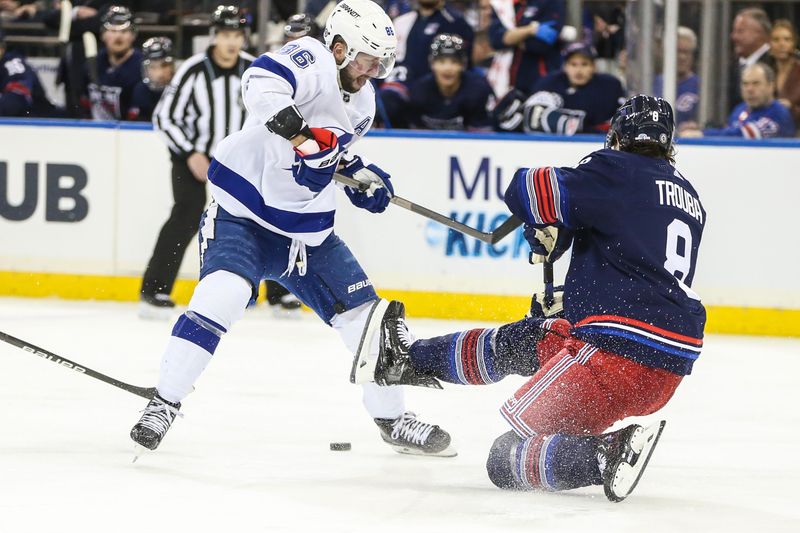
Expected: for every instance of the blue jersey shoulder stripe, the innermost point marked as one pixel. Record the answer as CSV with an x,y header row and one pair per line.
x,y
247,194
267,63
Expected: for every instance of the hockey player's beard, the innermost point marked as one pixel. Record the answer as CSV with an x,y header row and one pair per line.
x,y
350,83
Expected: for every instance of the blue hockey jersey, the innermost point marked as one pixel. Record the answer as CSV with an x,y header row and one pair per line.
x,y
414,36
111,96
21,92
599,98
638,224
773,120
687,99
464,111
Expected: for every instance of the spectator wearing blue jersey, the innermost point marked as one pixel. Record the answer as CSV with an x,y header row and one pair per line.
x,y
158,68
760,116
528,30
688,91
451,97
119,68
576,99
21,92
415,31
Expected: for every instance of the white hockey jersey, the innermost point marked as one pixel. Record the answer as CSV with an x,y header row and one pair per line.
x,y
251,174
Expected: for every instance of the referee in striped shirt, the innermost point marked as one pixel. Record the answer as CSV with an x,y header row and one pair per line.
x,y
200,107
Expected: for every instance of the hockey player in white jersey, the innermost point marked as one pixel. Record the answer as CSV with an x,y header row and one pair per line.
x,y
273,210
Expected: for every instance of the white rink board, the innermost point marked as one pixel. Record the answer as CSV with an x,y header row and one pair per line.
x,y
748,257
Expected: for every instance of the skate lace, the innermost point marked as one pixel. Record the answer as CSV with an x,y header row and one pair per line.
x,y
411,429
404,334
158,416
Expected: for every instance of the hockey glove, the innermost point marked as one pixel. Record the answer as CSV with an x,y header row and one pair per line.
x,y
548,243
540,310
377,189
316,160
547,32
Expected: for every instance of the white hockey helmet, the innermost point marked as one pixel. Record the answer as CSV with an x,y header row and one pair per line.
x,y
366,28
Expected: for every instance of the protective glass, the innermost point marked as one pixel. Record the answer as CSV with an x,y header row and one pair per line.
x,y
374,67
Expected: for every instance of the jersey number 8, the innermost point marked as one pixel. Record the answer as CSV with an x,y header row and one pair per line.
x,y
678,263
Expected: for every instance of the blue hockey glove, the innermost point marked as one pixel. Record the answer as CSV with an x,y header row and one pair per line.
x,y
548,243
547,32
315,170
378,189
540,310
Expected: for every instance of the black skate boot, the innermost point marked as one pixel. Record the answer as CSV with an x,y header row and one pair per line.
x,y
394,363
406,434
287,306
623,456
156,420
156,306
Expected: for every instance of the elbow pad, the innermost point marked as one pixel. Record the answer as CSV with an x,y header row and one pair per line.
x,y
288,123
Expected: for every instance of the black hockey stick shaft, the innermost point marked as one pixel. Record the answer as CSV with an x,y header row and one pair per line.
x,y
547,274
493,237
148,393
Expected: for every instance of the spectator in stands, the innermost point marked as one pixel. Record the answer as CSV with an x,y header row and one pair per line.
x,y
21,92
783,49
415,32
451,97
576,99
760,116
750,37
608,34
119,68
158,68
688,90
527,32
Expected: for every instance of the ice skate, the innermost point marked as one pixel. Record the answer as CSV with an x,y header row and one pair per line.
x,y
623,456
155,422
287,307
156,307
406,434
393,365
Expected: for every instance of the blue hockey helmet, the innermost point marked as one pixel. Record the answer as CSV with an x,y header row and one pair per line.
x,y
642,121
118,18
447,45
228,18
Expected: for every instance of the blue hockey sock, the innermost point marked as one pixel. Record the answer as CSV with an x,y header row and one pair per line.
x,y
198,330
551,463
480,356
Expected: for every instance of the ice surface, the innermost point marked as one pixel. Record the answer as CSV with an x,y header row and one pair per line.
x,y
252,452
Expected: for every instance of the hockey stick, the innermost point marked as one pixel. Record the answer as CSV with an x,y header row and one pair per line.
x,y
148,393
90,48
510,224
547,274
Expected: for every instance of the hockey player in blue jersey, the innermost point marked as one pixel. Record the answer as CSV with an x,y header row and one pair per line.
x,y
158,68
273,211
760,115
451,97
632,327
21,92
119,68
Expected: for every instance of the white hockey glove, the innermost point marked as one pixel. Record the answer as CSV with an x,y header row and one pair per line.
x,y
548,243
539,309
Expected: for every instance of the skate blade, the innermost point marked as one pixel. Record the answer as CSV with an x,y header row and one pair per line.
x,y
364,363
150,312
405,450
627,476
138,451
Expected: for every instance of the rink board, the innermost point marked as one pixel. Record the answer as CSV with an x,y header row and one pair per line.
x,y
81,205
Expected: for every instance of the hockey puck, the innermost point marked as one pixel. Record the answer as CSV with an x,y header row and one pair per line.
x,y
340,446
